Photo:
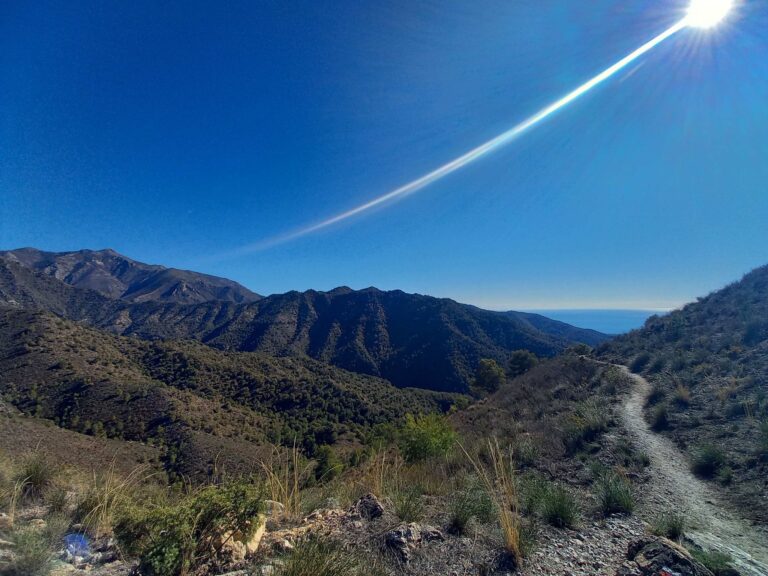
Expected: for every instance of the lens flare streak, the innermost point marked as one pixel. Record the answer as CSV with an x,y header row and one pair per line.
x,y
472,155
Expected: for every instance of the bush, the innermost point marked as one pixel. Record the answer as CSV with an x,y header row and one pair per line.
x,y
521,361
173,539
489,375
316,557
470,503
425,437
329,466
34,550
683,396
640,362
614,494
559,507
670,525
660,417
763,442
707,461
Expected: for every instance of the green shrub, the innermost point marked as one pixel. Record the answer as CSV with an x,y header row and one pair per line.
x,y
489,376
670,525
35,550
640,361
656,395
660,417
175,538
408,504
682,396
716,562
559,507
614,494
317,557
425,437
763,442
725,475
329,465
521,361
470,503
707,461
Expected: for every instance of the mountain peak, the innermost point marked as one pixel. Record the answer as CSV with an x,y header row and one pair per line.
x,y
118,277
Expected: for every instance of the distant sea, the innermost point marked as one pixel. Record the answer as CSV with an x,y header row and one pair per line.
x,y
606,321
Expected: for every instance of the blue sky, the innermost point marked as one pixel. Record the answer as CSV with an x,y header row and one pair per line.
x,y
175,132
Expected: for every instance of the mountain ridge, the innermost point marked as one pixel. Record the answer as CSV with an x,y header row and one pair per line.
x,y
412,340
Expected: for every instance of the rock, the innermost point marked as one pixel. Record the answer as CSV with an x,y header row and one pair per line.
x,y
369,507
238,546
273,508
654,556
406,537
283,545
5,522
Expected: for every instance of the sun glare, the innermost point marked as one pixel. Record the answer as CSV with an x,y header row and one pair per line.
x,y
707,13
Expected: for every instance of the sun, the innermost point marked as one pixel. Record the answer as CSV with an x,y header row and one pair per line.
x,y
707,13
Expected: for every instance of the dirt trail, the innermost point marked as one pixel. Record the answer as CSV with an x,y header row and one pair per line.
x,y
674,487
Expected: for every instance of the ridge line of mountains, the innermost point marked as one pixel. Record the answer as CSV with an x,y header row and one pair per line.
x,y
410,340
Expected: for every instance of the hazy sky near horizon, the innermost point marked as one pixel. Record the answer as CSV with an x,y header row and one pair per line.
x,y
174,132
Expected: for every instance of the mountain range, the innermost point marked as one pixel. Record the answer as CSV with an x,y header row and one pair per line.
x,y
411,340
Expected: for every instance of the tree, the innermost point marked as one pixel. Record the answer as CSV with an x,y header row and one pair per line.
x,y
489,376
520,362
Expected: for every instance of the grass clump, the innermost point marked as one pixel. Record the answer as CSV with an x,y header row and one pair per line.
x,y
559,507
35,475
408,503
174,539
614,494
587,423
318,557
427,436
708,460
34,550
471,503
671,525
718,563
553,503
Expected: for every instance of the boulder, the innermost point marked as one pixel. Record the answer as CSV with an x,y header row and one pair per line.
x,y
655,556
404,539
238,545
369,507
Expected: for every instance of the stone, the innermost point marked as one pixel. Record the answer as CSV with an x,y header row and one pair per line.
x,y
369,507
238,546
6,523
273,508
655,556
407,537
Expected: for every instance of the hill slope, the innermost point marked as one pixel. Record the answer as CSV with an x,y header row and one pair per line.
x,y
193,400
409,339
708,363
116,276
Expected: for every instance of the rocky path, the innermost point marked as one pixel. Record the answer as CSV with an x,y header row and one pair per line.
x,y
673,487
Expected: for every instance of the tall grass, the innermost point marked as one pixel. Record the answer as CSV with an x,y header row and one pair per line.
x,y
107,493
499,482
286,471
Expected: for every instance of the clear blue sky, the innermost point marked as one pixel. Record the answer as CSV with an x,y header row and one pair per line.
x,y
174,131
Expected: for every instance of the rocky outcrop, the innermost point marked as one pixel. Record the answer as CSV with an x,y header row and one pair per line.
x,y
659,556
